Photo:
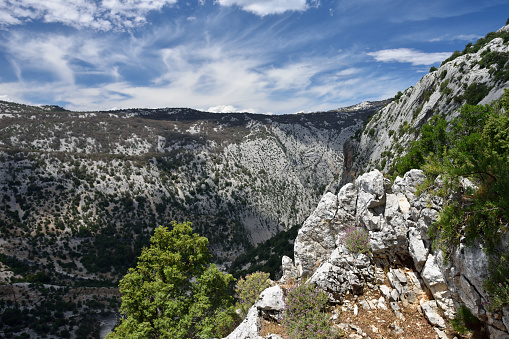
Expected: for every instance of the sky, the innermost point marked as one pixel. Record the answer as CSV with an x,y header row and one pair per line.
x,y
260,56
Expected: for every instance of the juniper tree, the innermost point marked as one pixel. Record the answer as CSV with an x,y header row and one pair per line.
x,y
173,292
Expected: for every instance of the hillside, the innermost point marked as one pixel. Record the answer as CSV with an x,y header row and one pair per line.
x,y
81,192
477,75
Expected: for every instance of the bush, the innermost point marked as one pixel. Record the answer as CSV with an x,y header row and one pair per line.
x,y
497,283
464,321
173,292
476,92
304,315
356,239
249,289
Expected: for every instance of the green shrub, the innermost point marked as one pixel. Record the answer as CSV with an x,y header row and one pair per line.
x,y
304,315
464,321
497,283
475,93
173,292
248,290
398,95
355,239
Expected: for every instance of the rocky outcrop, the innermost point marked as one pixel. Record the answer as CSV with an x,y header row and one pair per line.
x,y
397,221
269,304
343,273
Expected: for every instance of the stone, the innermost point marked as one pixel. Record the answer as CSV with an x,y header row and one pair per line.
x,y
364,304
395,282
347,198
430,310
394,295
394,306
356,328
469,295
370,187
404,205
400,275
344,272
396,328
428,216
273,336
317,236
391,206
441,334
290,272
496,333
505,317
249,328
381,304
271,299
408,184
411,297
416,248
386,291
432,275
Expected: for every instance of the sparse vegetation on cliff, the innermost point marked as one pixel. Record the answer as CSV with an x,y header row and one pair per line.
x,y
473,146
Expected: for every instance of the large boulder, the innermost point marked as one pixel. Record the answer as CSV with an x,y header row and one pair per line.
x,y
370,200
271,299
249,328
343,273
317,236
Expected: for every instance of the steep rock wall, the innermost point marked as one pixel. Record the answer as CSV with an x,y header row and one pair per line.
x,y
398,222
443,91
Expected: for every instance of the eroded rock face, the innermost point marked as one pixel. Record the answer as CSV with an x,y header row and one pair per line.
x,y
290,272
249,328
317,236
344,273
398,223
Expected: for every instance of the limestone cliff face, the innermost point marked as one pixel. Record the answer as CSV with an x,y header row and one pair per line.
x,y
397,221
472,77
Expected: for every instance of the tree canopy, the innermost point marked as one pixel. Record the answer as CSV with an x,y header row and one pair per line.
x,y
173,292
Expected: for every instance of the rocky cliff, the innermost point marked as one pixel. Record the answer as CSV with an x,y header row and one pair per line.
x,y
403,272
477,75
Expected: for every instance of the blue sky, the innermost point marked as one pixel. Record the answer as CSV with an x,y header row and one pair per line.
x,y
263,56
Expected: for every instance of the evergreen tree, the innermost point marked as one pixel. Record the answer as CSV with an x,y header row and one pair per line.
x,y
173,292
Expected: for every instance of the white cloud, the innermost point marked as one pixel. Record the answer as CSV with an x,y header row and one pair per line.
x,y
267,7
461,37
101,15
229,109
408,55
221,75
63,57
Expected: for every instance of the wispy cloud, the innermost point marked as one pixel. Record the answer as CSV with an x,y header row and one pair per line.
x,y
213,76
101,15
460,37
267,7
408,55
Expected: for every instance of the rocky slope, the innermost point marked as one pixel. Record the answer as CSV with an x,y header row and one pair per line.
x,y
478,75
404,284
